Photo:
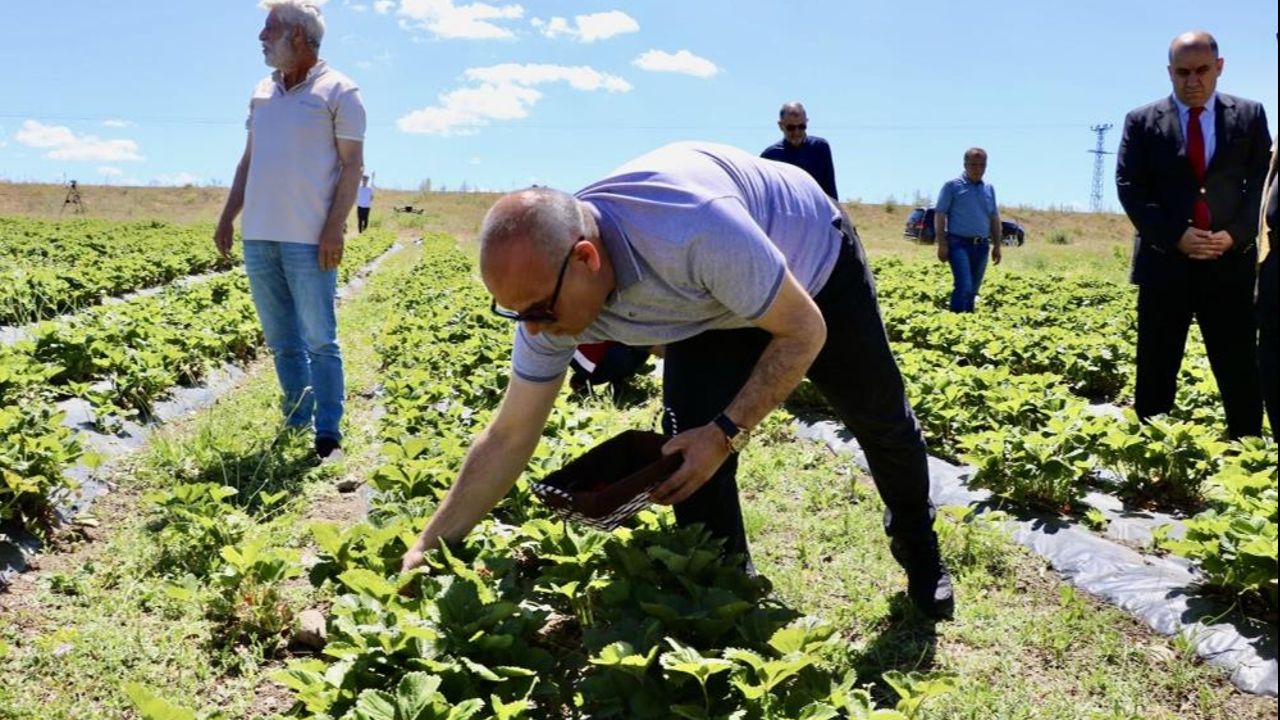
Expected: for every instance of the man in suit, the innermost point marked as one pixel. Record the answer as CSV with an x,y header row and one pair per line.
x,y
1189,174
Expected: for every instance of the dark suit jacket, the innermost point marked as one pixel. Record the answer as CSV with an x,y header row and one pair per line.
x,y
1158,188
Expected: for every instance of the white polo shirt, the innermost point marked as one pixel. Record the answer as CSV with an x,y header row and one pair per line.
x,y
293,161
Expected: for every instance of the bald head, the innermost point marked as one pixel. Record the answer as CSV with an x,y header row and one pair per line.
x,y
1194,67
542,258
535,225
793,121
1196,40
791,108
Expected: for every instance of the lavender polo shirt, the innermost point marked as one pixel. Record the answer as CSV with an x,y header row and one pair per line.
x,y
700,237
293,161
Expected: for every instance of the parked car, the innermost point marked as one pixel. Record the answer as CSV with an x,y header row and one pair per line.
x,y
920,227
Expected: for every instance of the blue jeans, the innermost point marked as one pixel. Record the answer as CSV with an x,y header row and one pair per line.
x,y
295,303
968,263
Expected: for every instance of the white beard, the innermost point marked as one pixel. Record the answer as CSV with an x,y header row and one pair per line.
x,y
279,54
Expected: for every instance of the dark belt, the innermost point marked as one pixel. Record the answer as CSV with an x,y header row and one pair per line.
x,y
975,239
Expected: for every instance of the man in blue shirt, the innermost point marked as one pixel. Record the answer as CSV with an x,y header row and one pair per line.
x,y
797,147
738,266
967,223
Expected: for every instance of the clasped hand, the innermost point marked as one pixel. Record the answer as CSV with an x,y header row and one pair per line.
x,y
1203,244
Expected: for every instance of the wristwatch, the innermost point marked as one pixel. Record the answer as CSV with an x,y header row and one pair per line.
x,y
735,436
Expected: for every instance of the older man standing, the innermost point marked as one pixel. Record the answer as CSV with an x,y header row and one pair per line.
x,y
967,224
1189,173
797,147
296,183
738,266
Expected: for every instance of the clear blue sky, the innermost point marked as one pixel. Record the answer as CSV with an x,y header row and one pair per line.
x,y
502,95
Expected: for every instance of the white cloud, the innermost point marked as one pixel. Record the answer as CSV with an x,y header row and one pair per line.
x,y
444,19
63,144
382,7
182,178
683,62
465,109
589,28
474,161
110,171
117,123
503,92
579,77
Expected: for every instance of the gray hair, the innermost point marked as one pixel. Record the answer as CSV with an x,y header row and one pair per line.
x,y
974,152
547,220
299,13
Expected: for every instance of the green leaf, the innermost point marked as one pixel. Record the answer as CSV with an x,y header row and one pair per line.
x,y
508,710
367,582
415,694
375,705
152,707
687,660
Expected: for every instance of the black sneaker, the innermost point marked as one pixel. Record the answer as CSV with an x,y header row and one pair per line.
x,y
928,580
326,446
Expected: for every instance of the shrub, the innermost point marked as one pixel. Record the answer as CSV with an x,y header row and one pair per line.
x,y
1234,541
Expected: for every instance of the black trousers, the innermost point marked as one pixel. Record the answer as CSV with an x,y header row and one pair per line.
x,y
855,371
362,218
1226,316
1267,370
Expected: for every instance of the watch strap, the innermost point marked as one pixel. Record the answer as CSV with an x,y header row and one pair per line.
x,y
730,429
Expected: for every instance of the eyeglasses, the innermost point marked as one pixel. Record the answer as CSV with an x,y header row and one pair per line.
x,y
793,128
543,312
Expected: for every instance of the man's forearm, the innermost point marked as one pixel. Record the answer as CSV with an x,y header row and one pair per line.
x,y
344,197
490,469
235,198
779,370
997,229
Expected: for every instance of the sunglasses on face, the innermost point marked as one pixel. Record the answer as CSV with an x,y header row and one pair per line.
x,y
543,312
793,128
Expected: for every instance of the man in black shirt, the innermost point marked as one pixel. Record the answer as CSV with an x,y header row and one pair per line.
x,y
805,151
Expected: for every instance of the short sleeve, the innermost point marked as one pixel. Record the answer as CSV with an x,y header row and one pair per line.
x,y
735,261
944,198
349,118
540,358
992,199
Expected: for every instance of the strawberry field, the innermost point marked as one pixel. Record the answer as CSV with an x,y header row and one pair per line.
x,y
230,549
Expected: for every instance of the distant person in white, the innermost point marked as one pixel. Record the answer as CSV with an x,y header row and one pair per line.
x,y
296,183
364,201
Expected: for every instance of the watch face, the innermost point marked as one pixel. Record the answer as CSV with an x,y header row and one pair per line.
x,y
739,441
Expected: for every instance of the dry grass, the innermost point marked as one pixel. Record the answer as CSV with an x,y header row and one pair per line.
x,y
454,213
1099,242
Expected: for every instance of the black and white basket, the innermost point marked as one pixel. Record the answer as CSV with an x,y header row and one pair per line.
x,y
611,482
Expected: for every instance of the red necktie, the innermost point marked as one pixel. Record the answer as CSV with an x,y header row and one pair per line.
x,y
1195,153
